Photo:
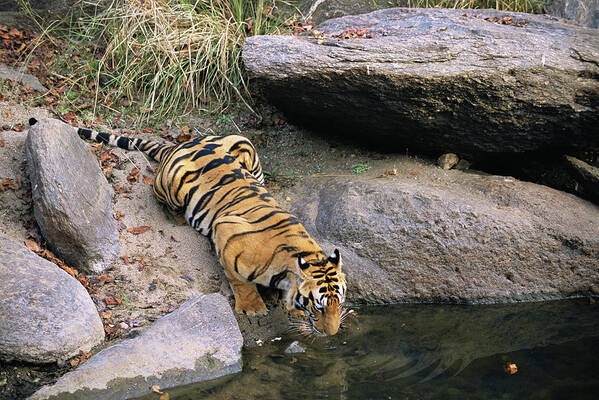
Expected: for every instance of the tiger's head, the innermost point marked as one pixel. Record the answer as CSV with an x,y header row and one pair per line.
x,y
321,293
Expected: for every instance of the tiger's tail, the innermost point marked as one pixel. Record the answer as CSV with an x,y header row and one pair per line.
x,y
155,150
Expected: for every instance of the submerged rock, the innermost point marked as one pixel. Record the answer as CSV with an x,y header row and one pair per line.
x,y
197,342
72,201
469,82
295,347
461,238
45,314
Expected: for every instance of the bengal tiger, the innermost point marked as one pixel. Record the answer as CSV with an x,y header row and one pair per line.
x,y
216,184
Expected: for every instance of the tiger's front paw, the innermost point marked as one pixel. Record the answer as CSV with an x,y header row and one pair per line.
x,y
251,308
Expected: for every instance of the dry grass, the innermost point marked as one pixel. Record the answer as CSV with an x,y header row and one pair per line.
x,y
172,55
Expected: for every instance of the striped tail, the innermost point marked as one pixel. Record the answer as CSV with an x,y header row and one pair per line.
x,y
155,150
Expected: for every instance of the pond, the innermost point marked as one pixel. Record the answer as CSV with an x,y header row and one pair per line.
x,y
429,352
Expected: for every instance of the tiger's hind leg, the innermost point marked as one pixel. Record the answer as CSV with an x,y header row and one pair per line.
x,y
247,299
237,266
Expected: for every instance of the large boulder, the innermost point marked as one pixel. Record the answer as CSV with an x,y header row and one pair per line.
x,y
438,80
583,12
45,314
462,238
197,342
72,201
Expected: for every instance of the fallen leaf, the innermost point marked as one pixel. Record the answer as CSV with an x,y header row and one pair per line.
x,y
147,180
113,301
388,173
126,259
118,215
183,138
510,368
156,389
133,175
106,314
33,246
83,357
139,229
293,360
105,278
163,396
74,362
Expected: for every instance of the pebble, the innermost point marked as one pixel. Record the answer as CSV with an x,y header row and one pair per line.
x,y
448,160
294,347
124,325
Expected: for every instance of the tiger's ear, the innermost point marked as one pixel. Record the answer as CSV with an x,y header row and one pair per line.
x,y
335,258
302,264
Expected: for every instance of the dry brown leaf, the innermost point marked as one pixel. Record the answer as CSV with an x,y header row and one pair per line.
x,y
156,389
33,246
183,138
510,368
147,180
113,301
388,173
139,229
105,278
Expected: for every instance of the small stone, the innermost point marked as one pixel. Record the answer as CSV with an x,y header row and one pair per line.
x,y
294,347
594,289
124,325
448,161
462,165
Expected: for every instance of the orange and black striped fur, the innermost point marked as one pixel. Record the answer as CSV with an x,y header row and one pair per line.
x,y
216,183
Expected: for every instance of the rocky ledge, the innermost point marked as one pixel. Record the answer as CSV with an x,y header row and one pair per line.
x,y
198,341
466,238
438,80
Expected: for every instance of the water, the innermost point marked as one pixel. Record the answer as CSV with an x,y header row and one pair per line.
x,y
430,352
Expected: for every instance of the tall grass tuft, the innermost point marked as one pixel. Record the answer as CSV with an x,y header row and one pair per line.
x,y
528,6
172,55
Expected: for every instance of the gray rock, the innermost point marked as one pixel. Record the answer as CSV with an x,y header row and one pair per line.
x,y
45,314
72,199
448,160
321,10
462,165
583,12
294,347
197,342
464,238
435,80
586,176
12,74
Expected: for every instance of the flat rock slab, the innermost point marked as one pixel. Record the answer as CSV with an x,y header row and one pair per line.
x,y
15,75
72,201
438,80
197,342
465,238
45,314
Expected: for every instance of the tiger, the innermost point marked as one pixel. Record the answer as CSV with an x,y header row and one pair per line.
x,y
216,184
